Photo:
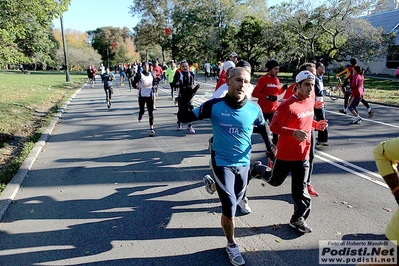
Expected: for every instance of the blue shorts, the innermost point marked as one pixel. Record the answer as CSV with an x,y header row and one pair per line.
x,y
231,183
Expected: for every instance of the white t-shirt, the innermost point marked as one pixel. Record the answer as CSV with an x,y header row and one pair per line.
x,y
207,67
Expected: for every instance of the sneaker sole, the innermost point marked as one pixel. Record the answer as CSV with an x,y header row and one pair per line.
x,y
243,211
300,230
208,184
371,114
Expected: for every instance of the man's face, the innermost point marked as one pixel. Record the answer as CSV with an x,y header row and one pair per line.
x,y
311,70
184,67
321,70
234,59
274,71
238,84
305,89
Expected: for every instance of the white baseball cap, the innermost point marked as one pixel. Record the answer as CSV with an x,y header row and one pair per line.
x,y
304,75
233,54
227,65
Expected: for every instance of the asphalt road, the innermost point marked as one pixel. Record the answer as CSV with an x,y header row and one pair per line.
x,y
101,192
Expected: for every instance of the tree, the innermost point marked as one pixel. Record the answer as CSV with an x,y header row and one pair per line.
x,y
113,44
24,23
80,53
330,32
155,17
252,43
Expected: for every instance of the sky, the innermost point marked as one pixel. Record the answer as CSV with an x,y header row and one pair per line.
x,y
85,15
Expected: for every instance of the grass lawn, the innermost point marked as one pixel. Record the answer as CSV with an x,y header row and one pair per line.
x,y
27,103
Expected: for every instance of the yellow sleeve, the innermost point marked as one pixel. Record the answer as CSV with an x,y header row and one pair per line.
x,y
342,72
392,231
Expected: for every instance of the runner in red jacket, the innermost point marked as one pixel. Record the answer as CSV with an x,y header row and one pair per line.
x,y
267,91
294,123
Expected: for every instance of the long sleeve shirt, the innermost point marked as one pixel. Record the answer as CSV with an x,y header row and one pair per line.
x,y
293,114
267,86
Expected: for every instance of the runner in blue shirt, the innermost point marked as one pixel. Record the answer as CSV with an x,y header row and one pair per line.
x,y
233,118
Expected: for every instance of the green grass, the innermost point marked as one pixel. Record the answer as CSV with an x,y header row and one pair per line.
x,y
27,104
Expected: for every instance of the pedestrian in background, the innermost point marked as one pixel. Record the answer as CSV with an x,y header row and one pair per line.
x,y
108,79
184,81
145,82
207,70
170,74
102,71
320,113
90,76
267,90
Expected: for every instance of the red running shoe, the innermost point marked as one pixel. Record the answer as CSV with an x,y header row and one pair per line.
x,y
312,192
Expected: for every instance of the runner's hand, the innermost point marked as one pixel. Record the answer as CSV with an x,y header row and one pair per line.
x,y
318,104
321,125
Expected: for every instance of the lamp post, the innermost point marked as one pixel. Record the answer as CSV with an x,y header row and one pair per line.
x,y
108,56
65,51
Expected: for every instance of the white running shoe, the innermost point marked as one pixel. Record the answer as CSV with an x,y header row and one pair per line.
x,y
152,132
179,127
244,206
358,121
191,129
234,255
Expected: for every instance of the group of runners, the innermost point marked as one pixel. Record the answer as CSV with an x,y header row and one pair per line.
x,y
288,129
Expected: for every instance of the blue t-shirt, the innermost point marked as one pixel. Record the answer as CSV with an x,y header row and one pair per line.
x,y
232,130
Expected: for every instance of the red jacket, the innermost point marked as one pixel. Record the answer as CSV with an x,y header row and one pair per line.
x,y
289,91
293,114
267,86
222,80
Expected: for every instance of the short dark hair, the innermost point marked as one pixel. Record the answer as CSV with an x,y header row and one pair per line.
x,y
305,65
243,63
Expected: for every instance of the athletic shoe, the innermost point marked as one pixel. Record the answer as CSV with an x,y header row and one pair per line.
x,y
342,111
312,192
244,206
358,121
260,171
179,127
152,132
191,129
234,255
301,226
139,120
325,144
208,182
371,113
155,108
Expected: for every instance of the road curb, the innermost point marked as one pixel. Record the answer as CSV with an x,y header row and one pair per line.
x,y
12,188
